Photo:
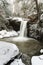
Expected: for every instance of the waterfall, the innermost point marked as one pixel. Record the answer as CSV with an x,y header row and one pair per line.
x,y
23,33
23,29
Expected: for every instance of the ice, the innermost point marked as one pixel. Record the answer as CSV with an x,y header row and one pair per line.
x,y
7,51
37,60
17,62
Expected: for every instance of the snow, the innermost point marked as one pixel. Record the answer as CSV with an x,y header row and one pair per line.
x,y
10,34
7,51
41,17
17,62
37,60
41,51
1,36
18,19
5,33
18,32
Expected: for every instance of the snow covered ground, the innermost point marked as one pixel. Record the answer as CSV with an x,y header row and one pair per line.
x,y
7,51
5,33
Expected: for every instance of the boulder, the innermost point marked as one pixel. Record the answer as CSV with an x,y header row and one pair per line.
x,y
7,51
37,60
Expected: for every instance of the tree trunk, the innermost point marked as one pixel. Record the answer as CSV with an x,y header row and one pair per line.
x,y
38,11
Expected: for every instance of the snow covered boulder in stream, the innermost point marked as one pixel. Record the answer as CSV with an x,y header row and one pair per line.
x,y
37,60
10,34
41,51
7,51
5,33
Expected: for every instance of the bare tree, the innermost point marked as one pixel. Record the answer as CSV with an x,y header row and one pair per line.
x,y
38,11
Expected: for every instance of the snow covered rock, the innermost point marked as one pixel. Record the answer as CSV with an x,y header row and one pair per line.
x,y
18,19
37,60
1,36
10,34
17,62
7,51
41,51
5,33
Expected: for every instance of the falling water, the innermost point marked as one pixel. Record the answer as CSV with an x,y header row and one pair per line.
x,y
23,33
23,29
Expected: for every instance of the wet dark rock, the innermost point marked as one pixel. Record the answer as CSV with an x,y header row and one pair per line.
x,y
14,24
35,31
26,59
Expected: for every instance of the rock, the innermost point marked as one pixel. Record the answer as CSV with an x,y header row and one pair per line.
x,y
6,34
3,32
14,23
36,31
7,51
41,51
10,34
26,59
37,60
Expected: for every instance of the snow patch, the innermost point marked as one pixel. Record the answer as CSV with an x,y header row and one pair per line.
x,y
18,19
17,62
